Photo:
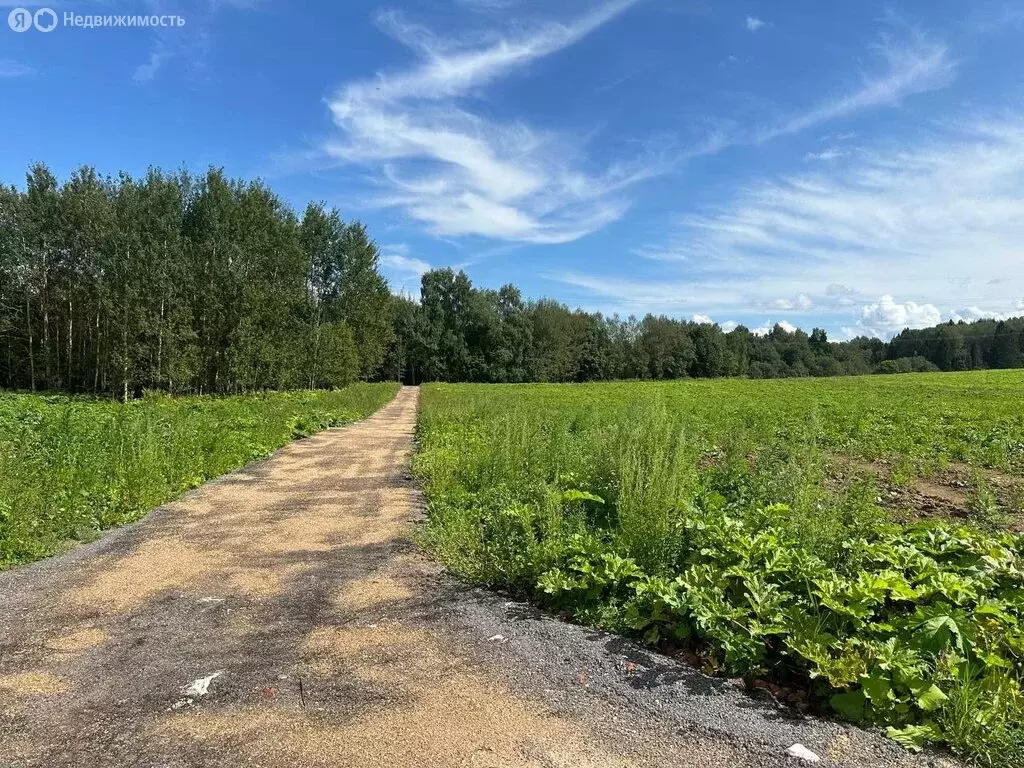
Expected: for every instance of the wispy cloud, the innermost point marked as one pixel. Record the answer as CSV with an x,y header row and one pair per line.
x,y
914,64
938,223
459,173
397,259
993,18
190,43
402,269
827,155
754,23
146,72
956,193
911,63
11,68
488,5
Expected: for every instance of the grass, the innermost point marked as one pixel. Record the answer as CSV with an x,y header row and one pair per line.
x,y
71,468
714,517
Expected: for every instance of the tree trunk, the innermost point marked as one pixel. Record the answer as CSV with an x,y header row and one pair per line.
x,y
44,301
31,351
160,346
124,362
99,349
71,337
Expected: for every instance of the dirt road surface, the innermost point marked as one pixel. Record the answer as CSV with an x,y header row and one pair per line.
x,y
283,616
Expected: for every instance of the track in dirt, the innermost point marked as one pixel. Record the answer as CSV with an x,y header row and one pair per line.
x,y
282,616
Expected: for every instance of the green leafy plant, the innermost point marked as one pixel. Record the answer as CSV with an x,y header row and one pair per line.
x,y
73,467
703,515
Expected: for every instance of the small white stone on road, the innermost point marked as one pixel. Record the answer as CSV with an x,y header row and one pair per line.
x,y
496,639
800,752
201,686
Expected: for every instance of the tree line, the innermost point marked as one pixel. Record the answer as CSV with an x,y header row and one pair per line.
x,y
182,283
456,332
203,284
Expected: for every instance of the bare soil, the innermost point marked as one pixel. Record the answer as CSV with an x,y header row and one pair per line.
x,y
945,495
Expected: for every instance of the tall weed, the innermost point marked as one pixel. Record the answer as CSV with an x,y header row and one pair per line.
x,y
73,467
708,514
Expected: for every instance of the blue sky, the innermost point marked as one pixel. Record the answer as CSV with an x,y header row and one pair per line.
x,y
857,166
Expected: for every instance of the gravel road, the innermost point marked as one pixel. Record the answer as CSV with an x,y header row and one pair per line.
x,y
282,616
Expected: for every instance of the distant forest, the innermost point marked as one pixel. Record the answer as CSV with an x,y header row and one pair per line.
x,y
456,332
203,284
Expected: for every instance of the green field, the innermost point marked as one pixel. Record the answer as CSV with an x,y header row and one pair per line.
x,y
850,544
72,467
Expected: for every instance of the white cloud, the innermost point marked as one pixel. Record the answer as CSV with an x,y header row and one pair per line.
x,y
826,155
462,174
754,23
656,296
727,326
667,253
994,19
767,328
937,223
488,5
396,258
144,73
935,219
839,295
190,43
11,68
402,270
914,65
886,317
911,63
970,314
802,303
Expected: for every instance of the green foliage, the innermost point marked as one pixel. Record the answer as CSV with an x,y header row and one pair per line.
x,y
183,284
983,505
204,284
915,364
703,514
459,333
336,356
72,467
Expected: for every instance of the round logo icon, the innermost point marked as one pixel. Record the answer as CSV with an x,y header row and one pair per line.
x,y
20,19
45,20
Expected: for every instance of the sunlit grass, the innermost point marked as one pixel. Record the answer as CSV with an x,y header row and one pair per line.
x,y
72,467
711,515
